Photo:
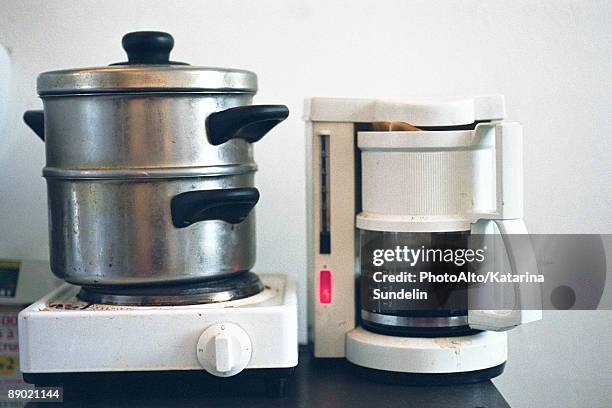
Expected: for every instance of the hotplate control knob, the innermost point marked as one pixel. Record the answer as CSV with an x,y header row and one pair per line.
x,y
224,349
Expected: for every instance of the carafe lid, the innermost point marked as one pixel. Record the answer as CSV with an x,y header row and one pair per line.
x,y
147,70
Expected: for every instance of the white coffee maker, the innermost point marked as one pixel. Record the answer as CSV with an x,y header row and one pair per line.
x,y
381,168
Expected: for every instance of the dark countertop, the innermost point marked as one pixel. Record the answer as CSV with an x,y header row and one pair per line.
x,y
316,383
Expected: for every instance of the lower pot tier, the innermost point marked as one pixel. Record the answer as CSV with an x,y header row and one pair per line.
x,y
110,232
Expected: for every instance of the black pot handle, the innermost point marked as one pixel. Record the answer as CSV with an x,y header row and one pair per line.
x,y
249,123
231,205
35,119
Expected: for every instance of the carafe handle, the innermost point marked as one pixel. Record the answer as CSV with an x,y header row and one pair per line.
x,y
505,193
523,297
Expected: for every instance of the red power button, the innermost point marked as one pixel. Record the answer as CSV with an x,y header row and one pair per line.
x,y
325,286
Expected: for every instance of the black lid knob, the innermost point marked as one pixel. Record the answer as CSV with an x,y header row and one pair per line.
x,y
148,47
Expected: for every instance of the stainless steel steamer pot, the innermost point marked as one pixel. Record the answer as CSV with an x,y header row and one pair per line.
x,y
150,167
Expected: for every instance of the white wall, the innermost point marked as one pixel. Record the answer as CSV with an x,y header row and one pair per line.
x,y
552,60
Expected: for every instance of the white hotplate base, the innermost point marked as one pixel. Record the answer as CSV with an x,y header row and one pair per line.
x,y
61,334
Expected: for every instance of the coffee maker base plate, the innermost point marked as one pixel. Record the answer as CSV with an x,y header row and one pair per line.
x,y
420,379
470,358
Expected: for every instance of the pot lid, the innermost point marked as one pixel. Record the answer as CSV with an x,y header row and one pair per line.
x,y
148,69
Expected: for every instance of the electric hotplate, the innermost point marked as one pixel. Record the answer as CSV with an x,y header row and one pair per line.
x,y
65,340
